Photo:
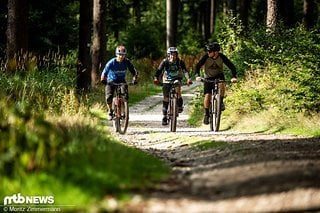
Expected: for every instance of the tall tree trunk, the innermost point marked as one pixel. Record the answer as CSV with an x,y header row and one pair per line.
x,y
272,15
172,22
207,17
17,32
244,12
213,14
84,62
98,39
309,13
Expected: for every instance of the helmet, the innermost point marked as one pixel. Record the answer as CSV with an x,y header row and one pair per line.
x,y
215,46
172,50
121,50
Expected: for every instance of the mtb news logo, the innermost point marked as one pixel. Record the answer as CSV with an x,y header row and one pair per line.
x,y
20,199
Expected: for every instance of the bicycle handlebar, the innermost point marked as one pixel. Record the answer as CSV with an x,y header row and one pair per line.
x,y
209,81
122,83
174,82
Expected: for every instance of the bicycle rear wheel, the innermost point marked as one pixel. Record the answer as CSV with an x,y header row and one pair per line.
x,y
173,114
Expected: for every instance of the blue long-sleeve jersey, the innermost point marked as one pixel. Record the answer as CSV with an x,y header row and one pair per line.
x,y
116,71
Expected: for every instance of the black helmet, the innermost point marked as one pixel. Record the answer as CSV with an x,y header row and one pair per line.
x,y
215,46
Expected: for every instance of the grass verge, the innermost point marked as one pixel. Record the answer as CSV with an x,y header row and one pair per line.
x,y
90,166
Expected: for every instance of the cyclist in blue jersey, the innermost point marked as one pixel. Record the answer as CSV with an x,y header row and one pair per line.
x,y
171,68
115,72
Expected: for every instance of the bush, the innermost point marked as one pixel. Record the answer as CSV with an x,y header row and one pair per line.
x,y
284,72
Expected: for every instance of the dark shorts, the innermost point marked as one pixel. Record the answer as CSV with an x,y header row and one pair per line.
x,y
166,89
110,90
208,86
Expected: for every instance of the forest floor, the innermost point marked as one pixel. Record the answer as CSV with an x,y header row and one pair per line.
x,y
247,172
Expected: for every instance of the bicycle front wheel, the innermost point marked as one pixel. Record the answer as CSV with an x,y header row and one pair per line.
x,y
121,119
174,114
215,116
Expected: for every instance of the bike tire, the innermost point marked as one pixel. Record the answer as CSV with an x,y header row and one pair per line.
x,y
216,115
115,120
123,121
174,114
211,111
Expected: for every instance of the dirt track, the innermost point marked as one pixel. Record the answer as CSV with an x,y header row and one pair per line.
x,y
255,172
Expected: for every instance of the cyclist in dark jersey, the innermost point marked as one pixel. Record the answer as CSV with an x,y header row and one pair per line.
x,y
213,63
171,68
115,71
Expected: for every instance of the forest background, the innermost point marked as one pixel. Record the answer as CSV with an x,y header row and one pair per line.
x,y
52,54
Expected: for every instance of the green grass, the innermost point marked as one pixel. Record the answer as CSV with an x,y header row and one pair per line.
x,y
140,92
89,165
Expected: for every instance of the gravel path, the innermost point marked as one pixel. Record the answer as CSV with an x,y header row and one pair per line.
x,y
250,172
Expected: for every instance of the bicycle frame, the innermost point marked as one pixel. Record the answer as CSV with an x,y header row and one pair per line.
x,y
173,105
215,104
120,109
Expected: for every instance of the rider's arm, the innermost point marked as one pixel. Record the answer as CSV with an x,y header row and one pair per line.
x,y
200,64
104,74
229,64
160,69
132,69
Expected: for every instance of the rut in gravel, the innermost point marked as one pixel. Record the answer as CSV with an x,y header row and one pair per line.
x,y
255,172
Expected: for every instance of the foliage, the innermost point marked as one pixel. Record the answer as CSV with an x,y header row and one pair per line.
x,y
51,141
56,28
142,41
45,83
190,43
281,79
66,155
28,141
284,73
229,35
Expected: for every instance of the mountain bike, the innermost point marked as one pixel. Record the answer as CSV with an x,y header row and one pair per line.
x,y
173,111
120,109
215,104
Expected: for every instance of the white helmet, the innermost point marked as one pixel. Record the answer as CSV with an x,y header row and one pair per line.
x,y
172,50
121,50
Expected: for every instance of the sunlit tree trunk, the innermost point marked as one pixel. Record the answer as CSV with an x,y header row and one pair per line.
x,y
98,39
84,59
213,14
172,22
207,17
272,15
